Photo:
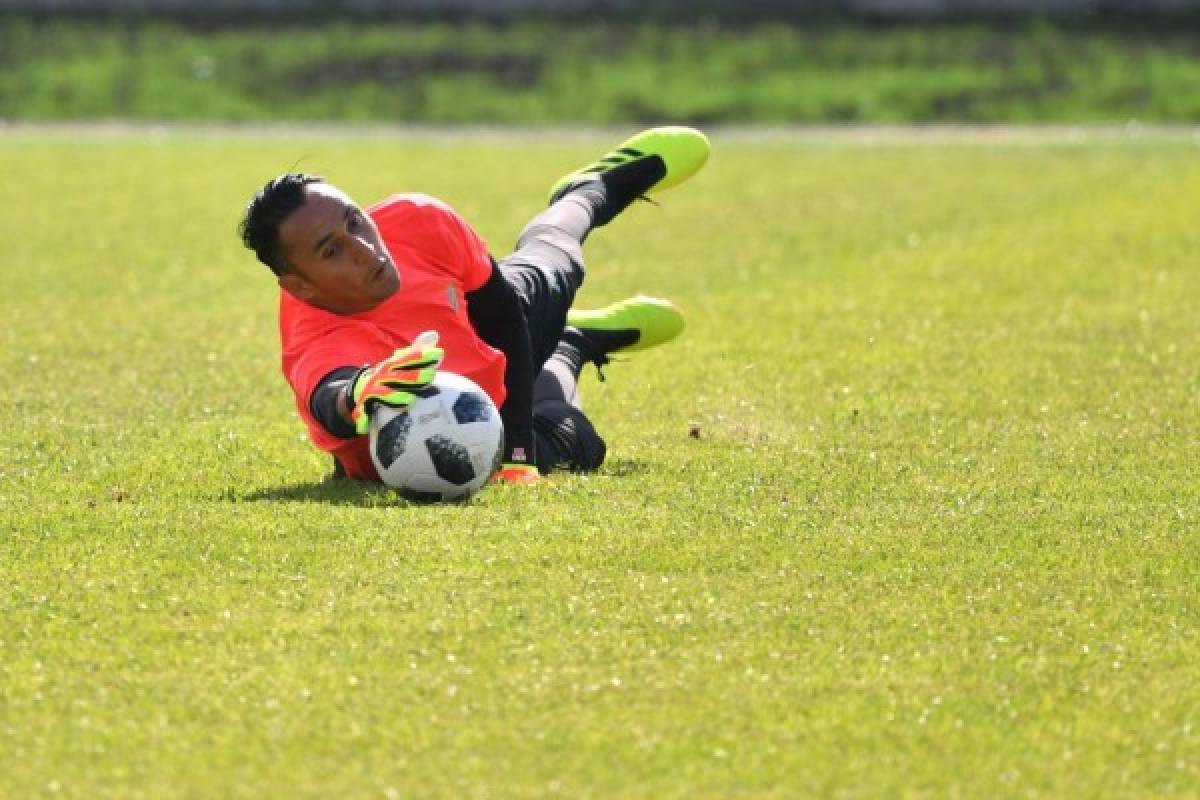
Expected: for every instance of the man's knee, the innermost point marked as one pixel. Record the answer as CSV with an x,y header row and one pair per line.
x,y
551,246
570,434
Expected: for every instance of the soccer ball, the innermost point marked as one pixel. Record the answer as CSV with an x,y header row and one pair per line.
x,y
445,446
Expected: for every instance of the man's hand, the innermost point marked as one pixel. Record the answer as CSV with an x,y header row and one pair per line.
x,y
517,473
393,381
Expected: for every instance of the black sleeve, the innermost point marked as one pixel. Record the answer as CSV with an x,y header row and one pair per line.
x,y
323,402
496,314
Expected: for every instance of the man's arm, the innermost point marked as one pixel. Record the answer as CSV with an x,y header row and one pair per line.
x,y
343,399
331,402
495,313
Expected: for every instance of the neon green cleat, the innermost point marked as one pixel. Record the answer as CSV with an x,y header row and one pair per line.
x,y
682,152
636,323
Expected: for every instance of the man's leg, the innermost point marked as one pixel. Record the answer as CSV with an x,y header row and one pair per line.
x,y
546,267
647,163
565,436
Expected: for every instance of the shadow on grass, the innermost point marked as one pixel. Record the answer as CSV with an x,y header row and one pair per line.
x,y
341,491
331,491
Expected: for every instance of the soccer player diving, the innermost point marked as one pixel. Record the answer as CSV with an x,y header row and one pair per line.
x,y
359,287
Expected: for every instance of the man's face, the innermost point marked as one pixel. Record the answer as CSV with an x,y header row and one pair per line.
x,y
337,260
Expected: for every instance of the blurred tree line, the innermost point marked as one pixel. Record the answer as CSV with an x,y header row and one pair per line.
x,y
84,59
680,11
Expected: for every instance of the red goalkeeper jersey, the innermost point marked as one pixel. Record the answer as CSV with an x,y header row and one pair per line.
x,y
439,259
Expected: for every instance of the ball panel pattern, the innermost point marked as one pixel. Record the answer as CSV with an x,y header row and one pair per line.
x,y
450,460
472,407
391,439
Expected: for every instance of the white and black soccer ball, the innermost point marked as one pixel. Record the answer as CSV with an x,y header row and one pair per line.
x,y
444,447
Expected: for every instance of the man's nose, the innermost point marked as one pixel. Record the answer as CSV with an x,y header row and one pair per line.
x,y
363,249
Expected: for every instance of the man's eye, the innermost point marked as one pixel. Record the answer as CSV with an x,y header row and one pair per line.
x,y
330,251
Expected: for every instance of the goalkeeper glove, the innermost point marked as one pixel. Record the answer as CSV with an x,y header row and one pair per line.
x,y
394,380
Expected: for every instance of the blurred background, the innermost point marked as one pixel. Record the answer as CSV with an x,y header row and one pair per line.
x,y
552,62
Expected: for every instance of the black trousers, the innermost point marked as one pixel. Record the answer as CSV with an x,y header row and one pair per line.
x,y
545,270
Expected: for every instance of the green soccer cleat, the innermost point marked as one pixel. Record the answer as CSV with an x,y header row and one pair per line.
x,y
677,153
636,323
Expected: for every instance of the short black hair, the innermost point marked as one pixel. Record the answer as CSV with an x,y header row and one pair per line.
x,y
268,210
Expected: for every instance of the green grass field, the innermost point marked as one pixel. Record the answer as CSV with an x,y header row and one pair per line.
x,y
937,536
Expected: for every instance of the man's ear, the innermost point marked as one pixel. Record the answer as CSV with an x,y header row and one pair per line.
x,y
295,285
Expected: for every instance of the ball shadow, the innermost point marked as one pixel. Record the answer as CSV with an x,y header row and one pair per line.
x,y
332,490
335,490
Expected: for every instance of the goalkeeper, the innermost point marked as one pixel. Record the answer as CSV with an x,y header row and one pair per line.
x,y
358,289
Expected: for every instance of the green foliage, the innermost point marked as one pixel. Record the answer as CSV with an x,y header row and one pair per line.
x,y
539,72
910,509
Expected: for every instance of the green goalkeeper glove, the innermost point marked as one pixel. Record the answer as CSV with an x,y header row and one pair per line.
x,y
394,380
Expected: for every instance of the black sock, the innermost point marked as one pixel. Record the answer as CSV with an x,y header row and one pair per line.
x,y
594,344
566,437
573,350
612,191
559,378
631,180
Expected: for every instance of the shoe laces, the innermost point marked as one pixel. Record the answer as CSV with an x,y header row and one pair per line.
x,y
603,360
